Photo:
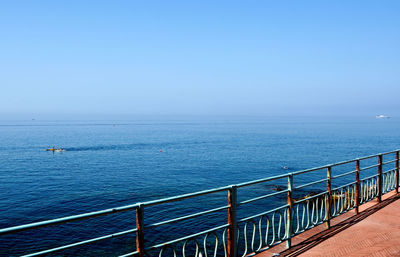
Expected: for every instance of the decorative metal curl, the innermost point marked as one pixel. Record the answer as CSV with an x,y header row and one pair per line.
x,y
186,243
205,244
166,247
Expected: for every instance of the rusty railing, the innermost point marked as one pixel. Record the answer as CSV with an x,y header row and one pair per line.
x,y
291,208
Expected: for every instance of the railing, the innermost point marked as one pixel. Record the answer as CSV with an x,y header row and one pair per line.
x,y
244,234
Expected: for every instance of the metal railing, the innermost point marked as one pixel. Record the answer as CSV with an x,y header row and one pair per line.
x,y
243,234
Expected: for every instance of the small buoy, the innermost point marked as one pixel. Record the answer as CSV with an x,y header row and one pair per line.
x,y
160,151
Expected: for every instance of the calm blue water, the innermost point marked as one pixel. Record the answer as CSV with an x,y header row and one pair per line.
x,y
114,163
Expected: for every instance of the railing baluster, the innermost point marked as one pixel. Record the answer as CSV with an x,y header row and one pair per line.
x,y
140,228
380,180
329,196
232,229
357,186
289,211
397,172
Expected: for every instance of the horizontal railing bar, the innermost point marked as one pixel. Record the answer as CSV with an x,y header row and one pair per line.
x,y
82,243
384,163
327,166
341,163
66,219
311,197
346,185
385,172
370,177
185,196
376,155
187,237
262,197
310,170
263,213
367,157
344,174
311,183
129,254
186,217
262,180
389,152
369,167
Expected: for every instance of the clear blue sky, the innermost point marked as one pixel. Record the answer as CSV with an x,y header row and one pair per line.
x,y
199,57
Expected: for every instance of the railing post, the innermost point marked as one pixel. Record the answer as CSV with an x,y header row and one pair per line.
x,y
357,186
232,222
380,182
139,232
329,196
397,172
289,211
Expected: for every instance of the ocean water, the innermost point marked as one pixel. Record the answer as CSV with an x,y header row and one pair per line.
x,y
114,163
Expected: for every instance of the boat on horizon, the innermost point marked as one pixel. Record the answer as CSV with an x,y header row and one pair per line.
x,y
382,116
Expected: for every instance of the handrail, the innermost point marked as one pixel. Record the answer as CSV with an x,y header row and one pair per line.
x,y
311,183
66,219
344,174
184,196
262,197
97,239
185,217
261,180
290,218
369,167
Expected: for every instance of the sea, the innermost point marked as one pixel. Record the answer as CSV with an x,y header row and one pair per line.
x,y
112,163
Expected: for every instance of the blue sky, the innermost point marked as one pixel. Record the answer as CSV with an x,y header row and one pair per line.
x,y
199,58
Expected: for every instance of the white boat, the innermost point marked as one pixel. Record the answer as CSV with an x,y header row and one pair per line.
x,y
382,117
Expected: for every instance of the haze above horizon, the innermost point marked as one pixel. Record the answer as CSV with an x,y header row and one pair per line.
x,y
199,58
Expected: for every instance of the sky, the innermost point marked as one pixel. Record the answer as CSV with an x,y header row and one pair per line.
x,y
199,58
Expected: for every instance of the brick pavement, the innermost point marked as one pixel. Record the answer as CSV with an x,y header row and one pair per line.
x,y
374,232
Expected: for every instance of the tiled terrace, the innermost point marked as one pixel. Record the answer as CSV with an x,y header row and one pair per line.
x,y
375,231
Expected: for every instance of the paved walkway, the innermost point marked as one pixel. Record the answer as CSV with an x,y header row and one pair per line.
x,y
373,232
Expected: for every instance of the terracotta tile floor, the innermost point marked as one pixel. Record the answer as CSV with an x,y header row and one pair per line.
x,y
374,232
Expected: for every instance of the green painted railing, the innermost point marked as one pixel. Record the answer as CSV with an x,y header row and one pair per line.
x,y
250,234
